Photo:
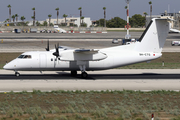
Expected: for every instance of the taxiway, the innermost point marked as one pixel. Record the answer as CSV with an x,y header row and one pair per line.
x,y
114,79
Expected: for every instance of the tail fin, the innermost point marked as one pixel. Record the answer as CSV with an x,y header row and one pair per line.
x,y
154,37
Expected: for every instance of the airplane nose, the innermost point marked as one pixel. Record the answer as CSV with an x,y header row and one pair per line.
x,y
5,67
8,66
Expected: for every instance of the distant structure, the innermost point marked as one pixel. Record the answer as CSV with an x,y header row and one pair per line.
x,y
128,35
31,23
175,16
72,21
174,24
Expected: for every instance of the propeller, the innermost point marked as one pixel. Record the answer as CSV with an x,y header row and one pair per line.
x,y
47,49
57,50
56,53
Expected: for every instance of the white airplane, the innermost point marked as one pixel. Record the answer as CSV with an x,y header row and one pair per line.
x,y
174,31
148,48
59,29
171,30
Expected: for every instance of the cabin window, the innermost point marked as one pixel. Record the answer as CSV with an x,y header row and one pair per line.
x,y
27,56
51,59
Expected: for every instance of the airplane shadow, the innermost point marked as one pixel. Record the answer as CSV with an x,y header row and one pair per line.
x,y
65,76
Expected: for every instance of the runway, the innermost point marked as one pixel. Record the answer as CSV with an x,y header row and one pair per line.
x,y
109,35
114,79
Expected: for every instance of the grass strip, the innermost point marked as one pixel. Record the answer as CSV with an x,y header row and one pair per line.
x,y
87,105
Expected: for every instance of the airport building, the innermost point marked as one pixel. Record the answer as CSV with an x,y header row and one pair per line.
x,y
71,21
174,24
31,23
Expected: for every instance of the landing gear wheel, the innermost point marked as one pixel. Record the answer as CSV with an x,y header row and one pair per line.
x,y
17,74
74,73
84,75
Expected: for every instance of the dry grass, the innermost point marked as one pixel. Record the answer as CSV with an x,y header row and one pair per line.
x,y
104,105
7,57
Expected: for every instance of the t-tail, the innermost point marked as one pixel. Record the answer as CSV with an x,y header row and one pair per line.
x,y
154,37
59,29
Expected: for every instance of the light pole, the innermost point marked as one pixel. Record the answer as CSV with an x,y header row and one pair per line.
x,y
128,35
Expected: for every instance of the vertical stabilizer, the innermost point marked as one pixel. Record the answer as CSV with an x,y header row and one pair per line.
x,y
154,37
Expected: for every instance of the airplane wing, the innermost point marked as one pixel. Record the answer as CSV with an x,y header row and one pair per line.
x,y
86,51
65,47
61,48
82,55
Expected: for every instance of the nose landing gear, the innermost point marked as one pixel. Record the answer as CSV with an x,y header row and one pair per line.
x,y
17,74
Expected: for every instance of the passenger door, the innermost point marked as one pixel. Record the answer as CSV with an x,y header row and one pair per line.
x,y
42,61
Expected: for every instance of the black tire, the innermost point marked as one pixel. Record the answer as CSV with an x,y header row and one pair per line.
x,y
74,73
84,75
17,74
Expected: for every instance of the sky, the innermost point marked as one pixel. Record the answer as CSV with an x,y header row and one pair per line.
x,y
90,8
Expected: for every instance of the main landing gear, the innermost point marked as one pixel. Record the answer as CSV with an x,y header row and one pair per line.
x,y
82,67
83,71
84,75
17,74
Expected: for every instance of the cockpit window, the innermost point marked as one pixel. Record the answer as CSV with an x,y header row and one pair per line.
x,y
21,56
25,56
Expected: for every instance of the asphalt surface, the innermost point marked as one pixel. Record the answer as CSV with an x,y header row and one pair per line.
x,y
114,79
109,35
92,76
112,74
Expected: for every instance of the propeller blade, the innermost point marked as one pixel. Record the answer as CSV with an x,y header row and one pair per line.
x,y
57,50
58,47
47,49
